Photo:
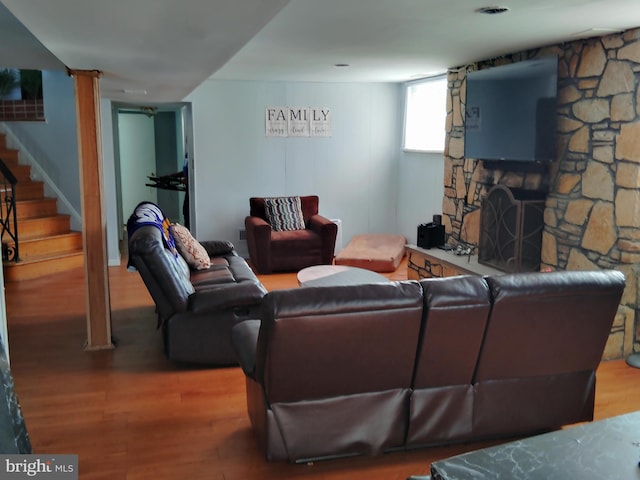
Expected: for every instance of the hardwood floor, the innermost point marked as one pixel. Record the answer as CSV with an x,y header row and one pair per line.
x,y
131,414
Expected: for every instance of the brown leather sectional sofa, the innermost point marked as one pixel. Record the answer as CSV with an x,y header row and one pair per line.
x,y
366,369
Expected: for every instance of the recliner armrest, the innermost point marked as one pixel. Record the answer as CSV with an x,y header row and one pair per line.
x,y
244,337
216,248
256,222
219,297
328,231
317,223
258,233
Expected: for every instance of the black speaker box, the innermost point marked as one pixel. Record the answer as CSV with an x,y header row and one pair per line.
x,y
430,235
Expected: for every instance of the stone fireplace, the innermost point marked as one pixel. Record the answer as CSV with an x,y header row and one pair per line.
x,y
592,207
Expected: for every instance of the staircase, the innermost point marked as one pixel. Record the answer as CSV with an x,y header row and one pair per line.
x,y
46,243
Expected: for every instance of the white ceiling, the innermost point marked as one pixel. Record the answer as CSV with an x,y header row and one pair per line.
x,y
167,48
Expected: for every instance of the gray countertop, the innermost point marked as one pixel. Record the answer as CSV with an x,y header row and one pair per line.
x,y
607,449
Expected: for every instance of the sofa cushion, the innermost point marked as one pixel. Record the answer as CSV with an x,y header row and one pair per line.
x,y
296,243
219,261
190,249
284,213
215,275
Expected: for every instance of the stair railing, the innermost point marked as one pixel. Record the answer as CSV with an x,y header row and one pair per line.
x,y
8,217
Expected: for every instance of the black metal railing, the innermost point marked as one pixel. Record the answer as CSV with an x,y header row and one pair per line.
x,y
8,218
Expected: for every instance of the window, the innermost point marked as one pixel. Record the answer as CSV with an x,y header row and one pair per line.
x,y
21,95
425,115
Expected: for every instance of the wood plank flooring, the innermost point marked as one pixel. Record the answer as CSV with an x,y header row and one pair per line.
x,y
131,414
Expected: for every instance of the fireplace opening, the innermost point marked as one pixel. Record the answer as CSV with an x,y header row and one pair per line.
x,y
511,224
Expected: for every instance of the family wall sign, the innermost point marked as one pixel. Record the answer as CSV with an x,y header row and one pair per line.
x,y
297,122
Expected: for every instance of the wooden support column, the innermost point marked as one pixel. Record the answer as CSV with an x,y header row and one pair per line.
x,y
94,226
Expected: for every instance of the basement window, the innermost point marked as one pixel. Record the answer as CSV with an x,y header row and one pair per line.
x,y
21,95
425,115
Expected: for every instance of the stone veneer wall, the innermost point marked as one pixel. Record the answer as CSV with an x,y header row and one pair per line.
x,y
592,211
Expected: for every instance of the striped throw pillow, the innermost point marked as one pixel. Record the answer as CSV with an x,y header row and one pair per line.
x,y
284,213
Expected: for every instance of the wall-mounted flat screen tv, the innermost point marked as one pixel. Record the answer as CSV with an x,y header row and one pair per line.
x,y
511,112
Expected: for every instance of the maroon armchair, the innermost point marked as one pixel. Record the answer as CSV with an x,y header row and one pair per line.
x,y
289,250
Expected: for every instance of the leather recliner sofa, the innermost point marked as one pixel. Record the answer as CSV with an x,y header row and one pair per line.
x,y
196,308
365,369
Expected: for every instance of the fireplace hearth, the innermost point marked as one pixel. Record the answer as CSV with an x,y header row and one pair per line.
x,y
511,223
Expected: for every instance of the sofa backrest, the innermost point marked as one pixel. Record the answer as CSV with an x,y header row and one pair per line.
x,y
165,274
318,342
456,313
560,319
310,205
544,340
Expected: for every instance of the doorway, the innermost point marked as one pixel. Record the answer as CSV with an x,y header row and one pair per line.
x,y
152,141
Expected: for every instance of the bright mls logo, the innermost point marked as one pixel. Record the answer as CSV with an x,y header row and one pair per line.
x,y
53,467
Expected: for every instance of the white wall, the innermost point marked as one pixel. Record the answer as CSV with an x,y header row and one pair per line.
x,y
421,191
355,171
109,181
137,160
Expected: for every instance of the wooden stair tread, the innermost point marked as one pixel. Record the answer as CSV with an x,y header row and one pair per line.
x,y
57,215
48,244
31,190
35,217
29,201
29,228
45,237
42,266
44,258
30,204
9,155
50,218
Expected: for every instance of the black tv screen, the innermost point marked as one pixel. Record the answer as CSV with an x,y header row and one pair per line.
x,y
511,112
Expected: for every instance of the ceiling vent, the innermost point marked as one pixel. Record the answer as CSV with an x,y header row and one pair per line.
x,y
492,10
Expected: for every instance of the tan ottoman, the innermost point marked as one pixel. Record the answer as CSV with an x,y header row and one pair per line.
x,y
377,252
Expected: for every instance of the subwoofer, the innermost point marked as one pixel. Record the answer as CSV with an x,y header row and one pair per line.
x,y
430,235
